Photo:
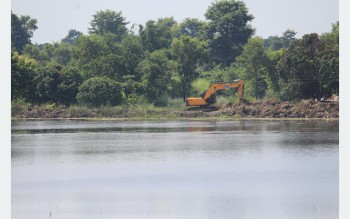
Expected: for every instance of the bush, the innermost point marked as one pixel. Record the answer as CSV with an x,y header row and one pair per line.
x,y
289,91
177,104
99,91
162,100
18,106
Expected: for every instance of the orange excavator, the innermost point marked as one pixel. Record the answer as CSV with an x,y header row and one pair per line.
x,y
209,97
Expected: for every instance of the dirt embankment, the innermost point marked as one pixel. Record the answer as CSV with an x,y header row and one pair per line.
x,y
245,109
277,109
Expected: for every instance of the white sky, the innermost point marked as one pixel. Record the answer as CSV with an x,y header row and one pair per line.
x,y
272,17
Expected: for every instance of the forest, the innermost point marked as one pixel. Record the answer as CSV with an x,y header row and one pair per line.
x,y
164,60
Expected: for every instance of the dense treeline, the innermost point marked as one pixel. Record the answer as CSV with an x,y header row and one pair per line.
x,y
165,59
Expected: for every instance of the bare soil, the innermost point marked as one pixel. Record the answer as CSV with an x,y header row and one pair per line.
x,y
278,109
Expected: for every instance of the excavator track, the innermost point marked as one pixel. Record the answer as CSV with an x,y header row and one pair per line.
x,y
203,108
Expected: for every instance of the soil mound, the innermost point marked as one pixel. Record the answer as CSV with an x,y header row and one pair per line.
x,y
277,109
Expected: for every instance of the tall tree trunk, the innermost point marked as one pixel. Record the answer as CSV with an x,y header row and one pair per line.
x,y
256,86
184,91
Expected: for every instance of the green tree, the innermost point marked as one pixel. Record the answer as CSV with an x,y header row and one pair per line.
x,y
99,91
68,87
228,29
219,74
22,29
57,84
192,27
157,34
157,72
32,51
109,21
188,52
255,61
333,35
97,55
275,43
72,36
43,53
288,37
312,65
47,82
132,51
62,53
23,72
272,70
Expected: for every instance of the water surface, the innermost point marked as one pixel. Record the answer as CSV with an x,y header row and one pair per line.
x,y
113,169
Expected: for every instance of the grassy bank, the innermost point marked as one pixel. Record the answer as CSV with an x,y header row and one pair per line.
x,y
266,109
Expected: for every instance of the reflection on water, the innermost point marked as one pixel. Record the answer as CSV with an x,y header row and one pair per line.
x,y
239,169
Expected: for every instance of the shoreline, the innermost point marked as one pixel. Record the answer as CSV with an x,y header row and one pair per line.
x,y
258,110
172,119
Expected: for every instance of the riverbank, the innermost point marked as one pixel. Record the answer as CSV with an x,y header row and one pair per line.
x,y
266,109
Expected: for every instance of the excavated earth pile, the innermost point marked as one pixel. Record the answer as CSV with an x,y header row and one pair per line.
x,y
277,109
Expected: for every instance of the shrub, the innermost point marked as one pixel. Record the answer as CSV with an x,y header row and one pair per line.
x,y
162,100
18,106
99,91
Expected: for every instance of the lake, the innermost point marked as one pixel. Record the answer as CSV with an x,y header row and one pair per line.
x,y
175,169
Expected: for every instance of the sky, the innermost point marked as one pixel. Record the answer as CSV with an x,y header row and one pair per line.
x,y
272,17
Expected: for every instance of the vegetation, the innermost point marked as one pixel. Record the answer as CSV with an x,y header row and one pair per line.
x,y
165,61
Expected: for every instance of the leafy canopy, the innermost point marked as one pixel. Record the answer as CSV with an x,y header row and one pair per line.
x,y
22,29
228,29
109,21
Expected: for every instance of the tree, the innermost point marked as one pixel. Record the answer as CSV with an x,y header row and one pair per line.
x,y
255,61
157,71
100,91
22,29
23,72
313,65
109,22
42,53
97,55
32,51
47,82
288,37
333,35
275,43
69,82
62,53
157,34
192,27
57,84
132,51
272,69
188,52
72,36
228,29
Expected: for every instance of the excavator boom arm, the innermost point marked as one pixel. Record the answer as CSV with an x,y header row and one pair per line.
x,y
208,96
223,86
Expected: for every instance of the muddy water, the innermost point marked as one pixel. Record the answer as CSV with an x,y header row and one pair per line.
x,y
240,169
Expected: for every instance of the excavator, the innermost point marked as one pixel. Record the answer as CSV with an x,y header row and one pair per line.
x,y
209,97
